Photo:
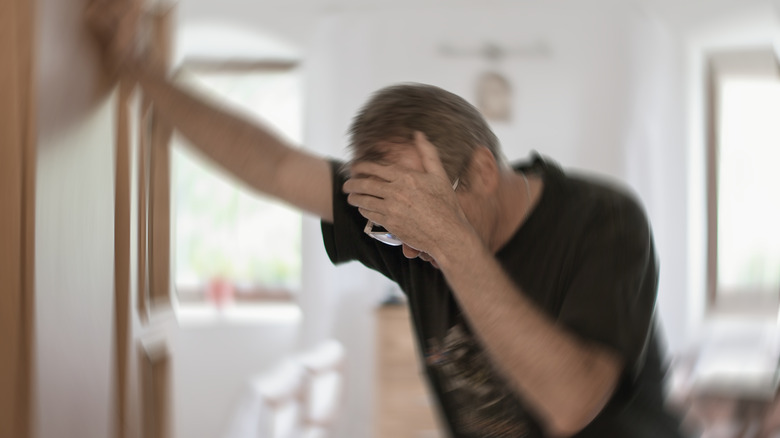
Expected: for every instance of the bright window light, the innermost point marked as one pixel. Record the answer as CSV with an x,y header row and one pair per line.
x,y
749,186
223,231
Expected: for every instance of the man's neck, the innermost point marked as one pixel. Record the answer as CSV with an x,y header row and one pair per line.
x,y
518,196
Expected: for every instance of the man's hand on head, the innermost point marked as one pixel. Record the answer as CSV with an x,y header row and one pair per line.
x,y
413,200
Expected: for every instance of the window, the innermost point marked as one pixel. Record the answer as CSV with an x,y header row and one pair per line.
x,y
230,242
744,183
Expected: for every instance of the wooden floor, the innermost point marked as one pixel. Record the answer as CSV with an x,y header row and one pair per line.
x,y
403,405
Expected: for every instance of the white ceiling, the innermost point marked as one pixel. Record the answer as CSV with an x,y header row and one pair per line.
x,y
294,20
680,13
685,13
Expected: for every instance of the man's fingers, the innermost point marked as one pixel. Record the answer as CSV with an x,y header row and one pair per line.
x,y
369,207
365,186
105,15
100,19
115,24
429,154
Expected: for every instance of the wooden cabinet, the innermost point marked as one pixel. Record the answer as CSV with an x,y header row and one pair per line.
x,y
403,405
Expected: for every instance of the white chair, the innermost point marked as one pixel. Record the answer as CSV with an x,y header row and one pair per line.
x,y
323,388
271,406
298,398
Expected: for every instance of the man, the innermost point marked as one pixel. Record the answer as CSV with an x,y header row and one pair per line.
x,y
531,291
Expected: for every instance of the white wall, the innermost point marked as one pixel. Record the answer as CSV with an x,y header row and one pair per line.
x,y
568,105
656,159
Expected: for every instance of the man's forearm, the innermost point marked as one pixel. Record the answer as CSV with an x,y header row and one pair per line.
x,y
223,137
249,152
563,379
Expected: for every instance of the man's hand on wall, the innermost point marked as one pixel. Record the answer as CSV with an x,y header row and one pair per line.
x,y
115,25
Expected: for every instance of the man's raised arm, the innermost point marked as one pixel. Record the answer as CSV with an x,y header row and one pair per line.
x,y
245,149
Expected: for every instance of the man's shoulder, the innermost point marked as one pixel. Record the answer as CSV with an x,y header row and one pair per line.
x,y
598,188
581,194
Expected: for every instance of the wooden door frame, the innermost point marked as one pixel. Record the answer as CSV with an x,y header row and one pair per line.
x,y
17,217
142,410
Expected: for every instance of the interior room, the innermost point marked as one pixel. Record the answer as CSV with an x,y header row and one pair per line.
x,y
169,301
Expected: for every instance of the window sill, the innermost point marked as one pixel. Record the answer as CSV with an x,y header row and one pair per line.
x,y
193,315
746,306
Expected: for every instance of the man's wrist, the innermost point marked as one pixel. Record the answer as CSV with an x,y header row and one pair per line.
x,y
458,248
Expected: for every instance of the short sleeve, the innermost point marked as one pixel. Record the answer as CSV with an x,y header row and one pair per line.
x,y
611,297
345,240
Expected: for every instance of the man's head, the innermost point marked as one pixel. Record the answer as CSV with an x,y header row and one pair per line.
x,y
453,125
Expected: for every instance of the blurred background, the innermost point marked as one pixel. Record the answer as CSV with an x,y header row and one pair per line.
x,y
678,99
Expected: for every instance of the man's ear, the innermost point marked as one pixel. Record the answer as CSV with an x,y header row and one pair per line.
x,y
483,171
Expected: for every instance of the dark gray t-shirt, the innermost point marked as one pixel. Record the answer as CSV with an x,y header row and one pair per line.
x,y
585,257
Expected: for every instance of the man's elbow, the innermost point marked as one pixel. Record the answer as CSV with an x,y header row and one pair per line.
x,y
582,407
565,425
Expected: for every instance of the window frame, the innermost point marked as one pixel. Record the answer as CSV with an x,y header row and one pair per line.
x,y
198,294
745,62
